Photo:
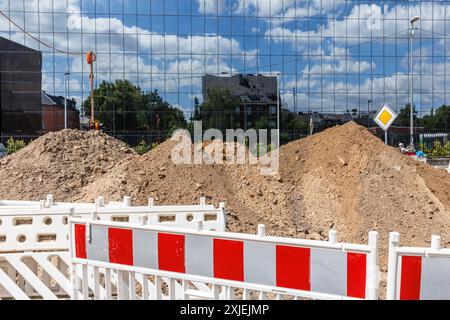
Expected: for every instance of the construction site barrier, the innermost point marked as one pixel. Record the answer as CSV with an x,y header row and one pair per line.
x,y
30,229
418,273
219,263
35,275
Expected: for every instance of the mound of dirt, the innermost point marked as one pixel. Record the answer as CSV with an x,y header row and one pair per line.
x,y
59,163
344,179
348,180
250,197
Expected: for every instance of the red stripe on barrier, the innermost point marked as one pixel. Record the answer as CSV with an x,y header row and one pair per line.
x,y
120,244
293,268
171,252
356,275
80,241
410,278
229,260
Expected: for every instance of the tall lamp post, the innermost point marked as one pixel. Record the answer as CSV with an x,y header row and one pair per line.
x,y
368,113
411,79
66,85
278,74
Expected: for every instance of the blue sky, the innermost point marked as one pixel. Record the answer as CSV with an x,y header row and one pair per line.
x,y
337,54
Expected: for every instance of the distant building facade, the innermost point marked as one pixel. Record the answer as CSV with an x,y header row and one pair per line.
x,y
257,95
20,88
53,113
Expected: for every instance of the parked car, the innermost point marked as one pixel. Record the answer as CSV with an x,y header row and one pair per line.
x,y
3,152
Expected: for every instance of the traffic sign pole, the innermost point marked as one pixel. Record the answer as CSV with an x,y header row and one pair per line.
x,y
385,118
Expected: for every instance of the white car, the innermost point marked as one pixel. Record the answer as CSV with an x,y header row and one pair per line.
x,y
3,152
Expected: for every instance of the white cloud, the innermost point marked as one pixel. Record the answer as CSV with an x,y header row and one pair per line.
x,y
211,6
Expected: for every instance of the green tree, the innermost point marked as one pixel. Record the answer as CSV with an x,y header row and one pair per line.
x,y
218,109
437,120
122,106
404,117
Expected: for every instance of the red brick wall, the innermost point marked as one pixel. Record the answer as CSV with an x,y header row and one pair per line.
x,y
53,119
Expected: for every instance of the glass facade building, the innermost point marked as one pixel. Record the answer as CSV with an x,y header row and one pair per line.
x,y
332,56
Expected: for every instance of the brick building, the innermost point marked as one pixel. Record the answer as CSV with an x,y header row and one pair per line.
x,y
53,113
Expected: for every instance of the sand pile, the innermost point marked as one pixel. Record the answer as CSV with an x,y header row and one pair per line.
x,y
59,163
343,178
347,179
251,198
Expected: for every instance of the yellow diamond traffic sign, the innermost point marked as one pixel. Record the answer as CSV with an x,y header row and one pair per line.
x,y
385,117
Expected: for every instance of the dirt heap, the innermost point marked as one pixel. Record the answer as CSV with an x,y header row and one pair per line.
x,y
59,163
348,180
250,197
343,178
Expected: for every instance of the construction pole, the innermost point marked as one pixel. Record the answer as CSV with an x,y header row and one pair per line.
x,y
411,81
66,90
91,58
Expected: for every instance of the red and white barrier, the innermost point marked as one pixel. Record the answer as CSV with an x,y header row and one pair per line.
x,y
299,267
418,273
46,228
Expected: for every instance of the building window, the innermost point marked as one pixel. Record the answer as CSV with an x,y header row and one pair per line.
x,y
273,109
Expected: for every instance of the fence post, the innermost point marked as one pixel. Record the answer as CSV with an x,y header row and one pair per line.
x,y
127,201
436,243
261,231
394,243
49,202
332,237
202,201
223,207
150,202
100,201
373,269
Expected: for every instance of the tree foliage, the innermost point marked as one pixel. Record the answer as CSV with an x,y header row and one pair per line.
x,y
217,111
122,106
438,120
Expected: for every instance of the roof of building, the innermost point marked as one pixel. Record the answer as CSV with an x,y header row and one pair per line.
x,y
50,100
46,100
9,45
249,88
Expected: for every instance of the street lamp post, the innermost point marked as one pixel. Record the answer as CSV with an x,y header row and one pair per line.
x,y
66,85
278,107
368,113
411,80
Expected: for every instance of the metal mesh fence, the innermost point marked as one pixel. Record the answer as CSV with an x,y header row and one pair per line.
x,y
331,57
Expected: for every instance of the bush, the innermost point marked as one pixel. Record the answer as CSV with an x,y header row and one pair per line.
x,y
438,150
141,148
12,146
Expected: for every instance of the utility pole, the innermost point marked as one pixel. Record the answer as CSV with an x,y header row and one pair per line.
x,y
368,113
294,91
66,89
411,80
278,108
91,58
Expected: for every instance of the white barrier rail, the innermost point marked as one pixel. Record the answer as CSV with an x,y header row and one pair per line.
x,y
220,263
29,229
418,273
44,275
